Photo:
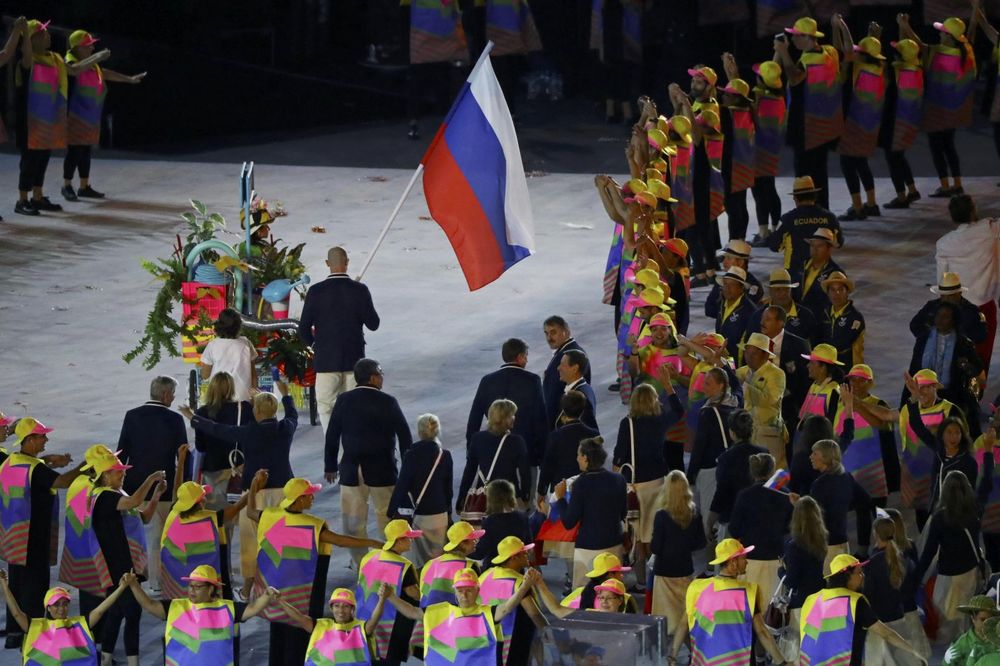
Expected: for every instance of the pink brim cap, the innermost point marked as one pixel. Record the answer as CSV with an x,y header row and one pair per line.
x,y
695,72
756,68
118,466
859,375
793,31
312,489
7,420
466,583
42,27
927,382
475,534
413,534
939,26
57,596
606,588
40,430
89,41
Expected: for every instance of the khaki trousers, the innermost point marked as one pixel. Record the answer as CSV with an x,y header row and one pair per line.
x,y
329,386
354,511
431,543
583,561
772,438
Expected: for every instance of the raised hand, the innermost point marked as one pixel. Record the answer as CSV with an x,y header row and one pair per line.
x,y
3,577
129,579
386,591
532,577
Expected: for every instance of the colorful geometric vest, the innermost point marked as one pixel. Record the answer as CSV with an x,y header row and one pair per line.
x,y
289,551
436,579
741,176
826,626
864,113
47,89
863,458
198,634
66,642
332,643
990,523
769,138
949,87
466,637
511,27
909,105
135,532
720,616
818,399
15,507
86,102
436,32
917,457
82,564
681,186
714,145
380,566
612,269
496,586
824,117
187,543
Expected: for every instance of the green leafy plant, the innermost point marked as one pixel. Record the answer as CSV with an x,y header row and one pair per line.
x,y
202,226
274,263
287,353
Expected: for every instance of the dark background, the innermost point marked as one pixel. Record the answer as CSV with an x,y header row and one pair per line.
x,y
225,69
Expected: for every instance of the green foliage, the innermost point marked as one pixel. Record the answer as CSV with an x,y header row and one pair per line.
x,y
202,226
287,352
277,264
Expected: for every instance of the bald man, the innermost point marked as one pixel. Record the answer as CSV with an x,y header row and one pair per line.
x,y
333,317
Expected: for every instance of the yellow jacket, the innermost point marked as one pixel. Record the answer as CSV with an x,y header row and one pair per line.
x,y
762,392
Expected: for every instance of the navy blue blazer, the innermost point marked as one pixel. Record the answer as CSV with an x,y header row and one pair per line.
x,y
796,371
524,388
150,437
552,386
368,424
332,318
589,415
560,454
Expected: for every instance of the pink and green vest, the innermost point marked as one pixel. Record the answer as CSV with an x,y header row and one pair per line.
x,y
720,617
135,533
82,564
917,458
826,627
459,637
15,507
511,27
681,186
436,32
741,176
437,576
86,102
377,567
864,113
199,634
66,642
824,117
769,138
340,644
863,458
287,558
909,105
47,89
949,86
186,544
496,586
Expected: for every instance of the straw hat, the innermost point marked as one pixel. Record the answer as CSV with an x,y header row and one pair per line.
x,y
779,277
758,341
837,277
951,283
980,603
737,248
823,353
804,185
733,273
824,234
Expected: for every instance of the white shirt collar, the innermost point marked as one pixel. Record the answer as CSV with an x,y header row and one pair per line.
x,y
337,275
563,345
575,385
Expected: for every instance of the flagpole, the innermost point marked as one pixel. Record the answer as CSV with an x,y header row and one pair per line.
x,y
416,174
392,218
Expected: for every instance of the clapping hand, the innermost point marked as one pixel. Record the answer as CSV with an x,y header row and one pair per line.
x,y
874,30
260,478
847,396
560,489
532,577
158,476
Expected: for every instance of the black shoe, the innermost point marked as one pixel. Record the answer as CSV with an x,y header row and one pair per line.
x,y
13,641
871,211
898,203
699,281
758,241
615,388
955,191
69,194
913,196
25,208
46,205
941,193
89,193
852,215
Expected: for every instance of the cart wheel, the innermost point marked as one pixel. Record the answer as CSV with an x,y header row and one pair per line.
x,y
313,408
193,389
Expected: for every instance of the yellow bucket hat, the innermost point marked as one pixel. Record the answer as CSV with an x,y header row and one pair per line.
x,y
296,488
463,531
509,547
805,26
823,353
729,549
189,494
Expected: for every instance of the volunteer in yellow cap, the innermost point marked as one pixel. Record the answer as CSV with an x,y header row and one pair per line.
x,y
329,636
947,95
609,597
823,397
873,448
202,608
45,77
26,513
501,582
901,121
389,566
607,568
48,633
119,522
770,111
713,637
437,574
87,89
816,116
739,129
293,565
834,622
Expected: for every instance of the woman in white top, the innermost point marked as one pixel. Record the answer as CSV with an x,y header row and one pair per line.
x,y
231,352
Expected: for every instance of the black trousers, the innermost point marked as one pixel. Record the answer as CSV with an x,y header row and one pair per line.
x,y
288,645
991,542
28,585
899,169
77,158
89,602
813,163
766,201
737,216
699,240
32,172
857,172
943,153
128,611
996,136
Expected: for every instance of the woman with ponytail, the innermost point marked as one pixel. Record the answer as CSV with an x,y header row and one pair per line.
x,y
885,576
913,628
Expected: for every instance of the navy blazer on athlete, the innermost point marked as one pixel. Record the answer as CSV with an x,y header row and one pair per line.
x,y
368,424
150,437
524,388
332,318
552,386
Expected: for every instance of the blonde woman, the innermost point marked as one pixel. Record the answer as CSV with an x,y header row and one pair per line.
x,y
497,453
913,631
639,457
802,564
761,516
886,575
837,493
220,406
677,533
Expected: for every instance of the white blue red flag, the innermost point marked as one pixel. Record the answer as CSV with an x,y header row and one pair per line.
x,y
778,480
474,181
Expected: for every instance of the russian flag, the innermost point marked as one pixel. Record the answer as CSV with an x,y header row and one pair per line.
x,y
778,480
474,181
